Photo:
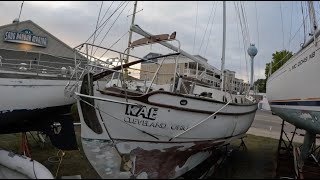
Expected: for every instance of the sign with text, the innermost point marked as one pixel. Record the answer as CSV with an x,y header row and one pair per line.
x,y
25,36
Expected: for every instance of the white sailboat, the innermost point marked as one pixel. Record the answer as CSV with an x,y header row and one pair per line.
x,y
292,90
15,166
33,82
158,134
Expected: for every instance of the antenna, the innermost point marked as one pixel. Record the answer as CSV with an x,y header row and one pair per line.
x,y
20,11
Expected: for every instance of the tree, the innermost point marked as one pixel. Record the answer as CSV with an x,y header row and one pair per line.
x,y
261,84
278,59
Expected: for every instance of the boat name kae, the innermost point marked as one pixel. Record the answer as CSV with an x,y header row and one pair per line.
x,y
143,111
148,113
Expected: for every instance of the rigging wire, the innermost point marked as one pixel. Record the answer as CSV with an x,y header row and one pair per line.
x,y
255,4
282,26
244,38
205,32
103,23
304,26
239,48
114,44
107,20
195,32
290,24
20,11
111,27
106,12
205,52
243,13
94,37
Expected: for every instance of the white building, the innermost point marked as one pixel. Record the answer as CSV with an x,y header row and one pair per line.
x,y
189,68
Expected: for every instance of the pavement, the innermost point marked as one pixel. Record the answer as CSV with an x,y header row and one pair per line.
x,y
266,124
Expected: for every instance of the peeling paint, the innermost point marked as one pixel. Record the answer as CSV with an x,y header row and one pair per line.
x,y
159,160
305,116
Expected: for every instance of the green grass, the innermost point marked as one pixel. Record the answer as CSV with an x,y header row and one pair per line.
x,y
256,162
73,162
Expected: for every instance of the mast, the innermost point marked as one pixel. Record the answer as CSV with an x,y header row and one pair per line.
x,y
223,46
130,37
313,20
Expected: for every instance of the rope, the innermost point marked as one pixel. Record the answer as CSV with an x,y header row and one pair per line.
x,y
60,161
24,145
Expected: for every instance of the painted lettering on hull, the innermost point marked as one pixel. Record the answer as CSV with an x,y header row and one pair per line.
x,y
147,117
142,111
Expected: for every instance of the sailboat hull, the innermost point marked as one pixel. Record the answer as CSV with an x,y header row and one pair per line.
x,y
157,135
293,90
153,160
34,103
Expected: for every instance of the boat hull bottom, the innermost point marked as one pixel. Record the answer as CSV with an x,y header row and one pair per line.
x,y
302,119
42,120
141,160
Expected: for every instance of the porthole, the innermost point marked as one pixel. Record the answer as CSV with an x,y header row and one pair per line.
x,y
183,102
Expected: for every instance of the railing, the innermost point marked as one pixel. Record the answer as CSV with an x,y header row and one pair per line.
x,y
35,63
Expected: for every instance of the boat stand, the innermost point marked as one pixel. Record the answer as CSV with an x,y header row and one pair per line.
x,y
287,164
242,145
310,168
284,157
208,167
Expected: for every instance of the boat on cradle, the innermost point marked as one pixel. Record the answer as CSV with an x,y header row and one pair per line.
x,y
34,77
33,98
293,90
126,133
15,166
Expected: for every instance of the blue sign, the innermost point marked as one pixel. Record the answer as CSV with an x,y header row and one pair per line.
x,y
25,36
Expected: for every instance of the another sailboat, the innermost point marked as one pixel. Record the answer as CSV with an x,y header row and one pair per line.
x,y
292,90
127,133
35,68
15,166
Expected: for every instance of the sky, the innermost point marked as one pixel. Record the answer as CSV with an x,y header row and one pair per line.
x,y
271,25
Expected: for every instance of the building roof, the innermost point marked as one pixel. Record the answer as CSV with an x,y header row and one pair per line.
x,y
29,21
151,55
41,29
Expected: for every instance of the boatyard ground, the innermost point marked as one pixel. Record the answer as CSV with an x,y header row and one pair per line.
x,y
257,161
